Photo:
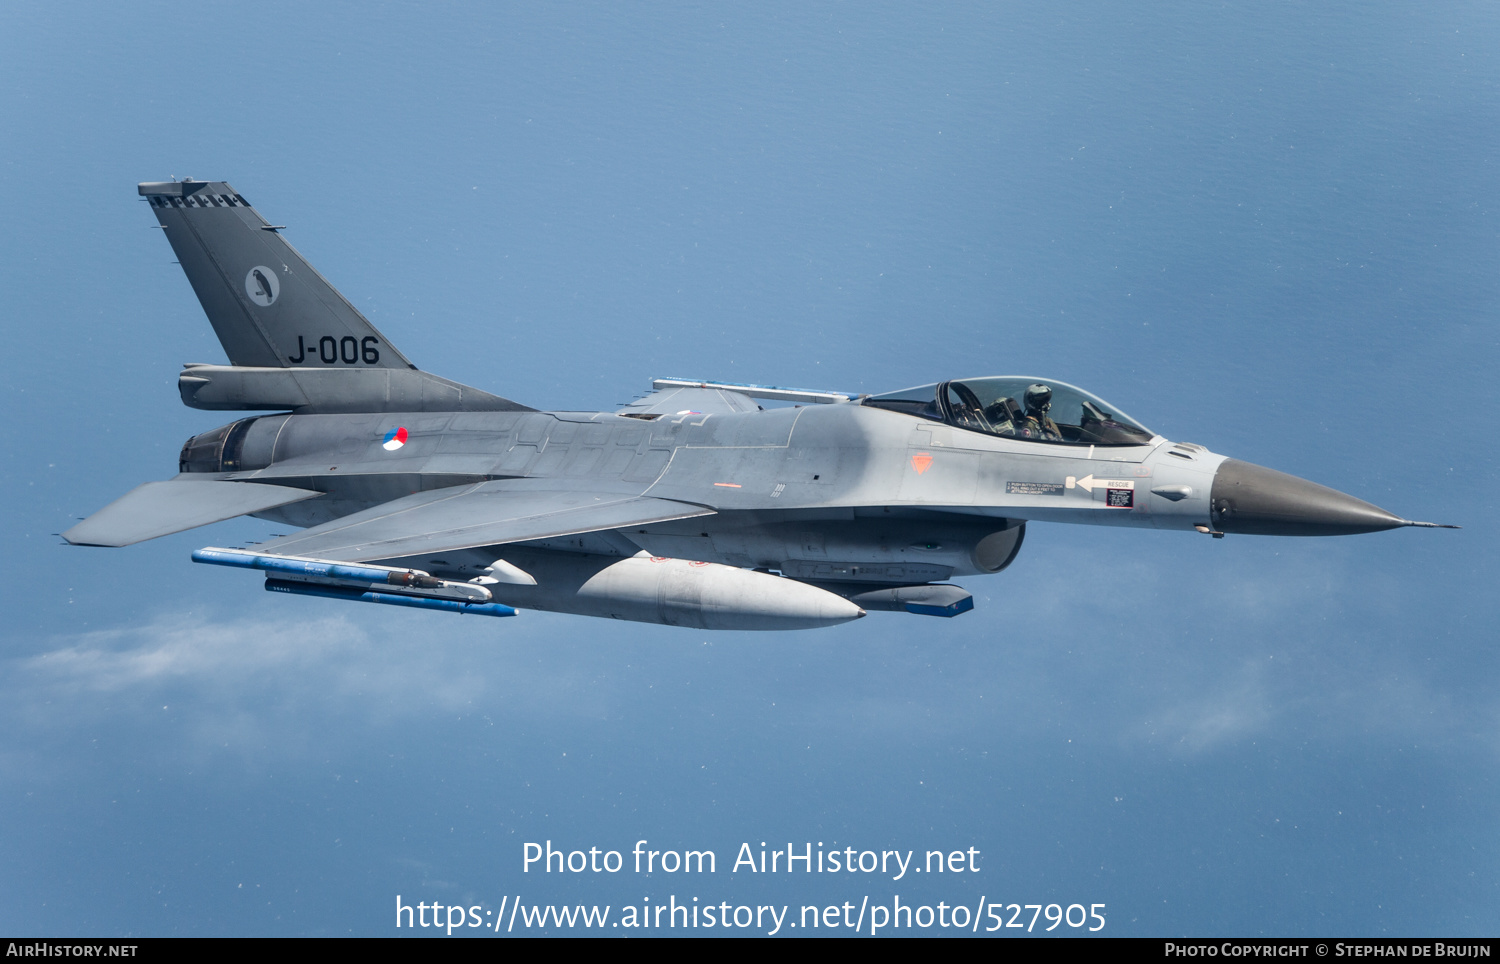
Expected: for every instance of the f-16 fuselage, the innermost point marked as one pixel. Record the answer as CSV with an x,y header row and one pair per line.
x,y
681,508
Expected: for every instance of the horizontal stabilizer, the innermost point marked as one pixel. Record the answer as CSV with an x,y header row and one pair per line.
x,y
162,508
484,514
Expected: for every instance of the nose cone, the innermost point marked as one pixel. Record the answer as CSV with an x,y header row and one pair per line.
x,y
1251,499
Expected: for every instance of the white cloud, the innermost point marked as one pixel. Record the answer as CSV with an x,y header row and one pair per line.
x,y
1240,707
179,648
266,688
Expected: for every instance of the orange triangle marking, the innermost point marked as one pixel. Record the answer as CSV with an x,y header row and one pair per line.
x,y
920,461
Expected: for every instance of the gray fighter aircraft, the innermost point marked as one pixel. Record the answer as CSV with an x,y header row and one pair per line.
x,y
693,506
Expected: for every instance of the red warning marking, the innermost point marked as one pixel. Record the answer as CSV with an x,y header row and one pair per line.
x,y
920,462
728,485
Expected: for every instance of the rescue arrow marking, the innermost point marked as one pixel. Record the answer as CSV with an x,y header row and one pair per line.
x,y
920,462
1088,483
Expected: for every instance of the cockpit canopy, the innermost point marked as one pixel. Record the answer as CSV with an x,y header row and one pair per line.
x,y
1031,409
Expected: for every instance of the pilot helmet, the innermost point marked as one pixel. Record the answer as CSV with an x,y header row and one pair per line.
x,y
1038,398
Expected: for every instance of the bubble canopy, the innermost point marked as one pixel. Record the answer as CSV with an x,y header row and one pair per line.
x,y
1029,409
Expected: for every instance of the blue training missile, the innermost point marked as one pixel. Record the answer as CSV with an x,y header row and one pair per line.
x,y
387,598
321,568
347,580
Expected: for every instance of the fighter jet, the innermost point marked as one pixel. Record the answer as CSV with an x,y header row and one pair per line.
x,y
694,506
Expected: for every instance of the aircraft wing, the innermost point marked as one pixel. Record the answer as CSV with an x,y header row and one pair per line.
x,y
480,514
162,508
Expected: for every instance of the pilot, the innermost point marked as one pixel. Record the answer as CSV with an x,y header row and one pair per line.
x,y
1035,424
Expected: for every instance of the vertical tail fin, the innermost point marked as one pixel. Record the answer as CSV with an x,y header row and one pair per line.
x,y
268,306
